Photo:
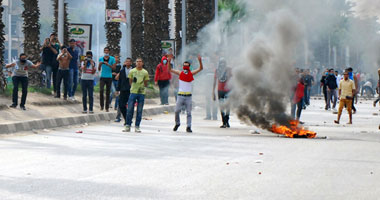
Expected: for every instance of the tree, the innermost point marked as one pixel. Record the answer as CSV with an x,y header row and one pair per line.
x,y
31,30
137,28
155,29
2,47
113,32
66,31
199,14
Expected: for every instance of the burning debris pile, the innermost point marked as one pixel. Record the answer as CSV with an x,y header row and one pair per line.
x,y
295,130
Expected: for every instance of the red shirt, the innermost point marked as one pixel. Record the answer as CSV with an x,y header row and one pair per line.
x,y
222,84
162,71
299,92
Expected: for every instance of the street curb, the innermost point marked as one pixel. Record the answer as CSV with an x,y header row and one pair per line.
x,y
66,121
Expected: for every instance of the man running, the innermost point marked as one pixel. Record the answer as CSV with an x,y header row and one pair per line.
x,y
184,92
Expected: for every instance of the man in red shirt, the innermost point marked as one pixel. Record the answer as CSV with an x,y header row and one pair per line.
x,y
222,75
162,79
297,100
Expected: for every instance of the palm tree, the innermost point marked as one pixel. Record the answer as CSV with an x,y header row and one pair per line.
x,y
178,25
152,39
66,32
199,14
31,30
137,28
2,47
113,30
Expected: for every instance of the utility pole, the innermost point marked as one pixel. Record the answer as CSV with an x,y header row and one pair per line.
x,y
9,31
129,25
183,30
216,10
61,20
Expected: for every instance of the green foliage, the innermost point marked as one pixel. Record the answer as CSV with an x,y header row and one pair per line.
x,y
236,8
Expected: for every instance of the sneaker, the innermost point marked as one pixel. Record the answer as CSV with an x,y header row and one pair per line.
x,y
137,129
175,128
91,112
101,109
336,121
127,129
107,110
228,125
188,129
118,120
84,112
57,97
13,106
22,107
223,126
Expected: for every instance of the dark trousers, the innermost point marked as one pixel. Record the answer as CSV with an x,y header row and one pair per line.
x,y
108,83
55,74
224,109
65,75
88,89
299,110
353,106
24,84
123,101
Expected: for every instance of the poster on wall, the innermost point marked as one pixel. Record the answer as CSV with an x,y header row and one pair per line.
x,y
116,16
168,47
82,34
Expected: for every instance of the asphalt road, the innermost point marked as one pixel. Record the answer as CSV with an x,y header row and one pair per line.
x,y
211,163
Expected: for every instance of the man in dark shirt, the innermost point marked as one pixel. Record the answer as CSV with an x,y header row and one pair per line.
x,y
74,70
331,89
49,53
324,87
308,81
123,87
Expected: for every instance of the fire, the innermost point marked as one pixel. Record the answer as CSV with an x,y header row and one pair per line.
x,y
294,131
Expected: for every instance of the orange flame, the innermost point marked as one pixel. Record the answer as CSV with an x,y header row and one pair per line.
x,y
294,131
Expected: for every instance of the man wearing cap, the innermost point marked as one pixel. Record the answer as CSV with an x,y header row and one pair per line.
x,y
184,91
73,67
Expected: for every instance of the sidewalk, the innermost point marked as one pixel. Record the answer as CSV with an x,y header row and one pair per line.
x,y
44,112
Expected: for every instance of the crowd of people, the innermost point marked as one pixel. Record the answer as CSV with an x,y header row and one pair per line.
x,y
126,83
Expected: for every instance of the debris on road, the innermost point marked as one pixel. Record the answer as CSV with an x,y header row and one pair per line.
x,y
146,118
258,161
254,131
79,132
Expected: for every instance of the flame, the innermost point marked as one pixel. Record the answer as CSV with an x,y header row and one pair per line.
x,y
294,131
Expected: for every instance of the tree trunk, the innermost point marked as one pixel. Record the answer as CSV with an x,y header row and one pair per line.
x,y
2,48
178,25
137,28
31,30
199,14
113,32
66,31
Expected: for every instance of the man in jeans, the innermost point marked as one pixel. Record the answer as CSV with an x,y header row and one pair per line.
x,y
138,79
106,64
48,56
347,90
184,92
20,75
55,64
63,72
123,87
222,76
162,79
73,80
87,80
308,81
331,87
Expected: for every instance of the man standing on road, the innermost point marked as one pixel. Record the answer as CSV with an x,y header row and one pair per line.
x,y
88,70
308,81
20,75
64,59
324,86
138,79
115,72
222,76
354,78
123,87
55,64
184,92
106,64
346,92
162,79
331,87
48,60
73,80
